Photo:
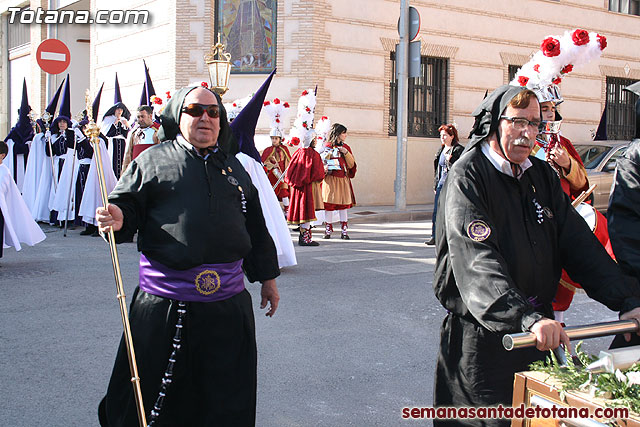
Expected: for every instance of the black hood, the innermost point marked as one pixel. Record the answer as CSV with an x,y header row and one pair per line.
x,y
112,111
488,114
170,119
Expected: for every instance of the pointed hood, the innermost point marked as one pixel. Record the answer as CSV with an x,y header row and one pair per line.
x,y
96,104
170,119
244,125
117,96
117,103
635,88
601,133
65,107
22,131
143,96
148,83
51,108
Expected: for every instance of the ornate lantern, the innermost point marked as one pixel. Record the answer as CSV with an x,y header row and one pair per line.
x,y
219,69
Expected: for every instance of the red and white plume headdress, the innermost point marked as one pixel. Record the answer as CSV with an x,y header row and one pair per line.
x,y
159,102
276,110
557,57
302,130
323,127
234,108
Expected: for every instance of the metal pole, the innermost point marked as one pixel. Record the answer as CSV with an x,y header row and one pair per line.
x,y
52,33
528,339
402,59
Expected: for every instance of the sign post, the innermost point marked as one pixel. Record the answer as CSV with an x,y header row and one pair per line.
x,y
408,29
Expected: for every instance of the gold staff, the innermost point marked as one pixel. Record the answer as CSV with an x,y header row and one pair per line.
x,y
46,116
33,116
92,131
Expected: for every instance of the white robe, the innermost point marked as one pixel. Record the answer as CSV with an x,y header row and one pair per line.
x,y
33,171
8,160
273,216
67,187
17,169
91,198
19,227
57,173
105,127
41,210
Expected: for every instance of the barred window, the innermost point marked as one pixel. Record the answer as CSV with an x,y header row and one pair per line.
x,y
513,70
621,116
427,98
631,7
248,31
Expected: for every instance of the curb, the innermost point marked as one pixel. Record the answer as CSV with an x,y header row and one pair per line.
x,y
367,217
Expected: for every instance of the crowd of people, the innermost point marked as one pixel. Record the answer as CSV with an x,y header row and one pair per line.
x,y
208,209
53,162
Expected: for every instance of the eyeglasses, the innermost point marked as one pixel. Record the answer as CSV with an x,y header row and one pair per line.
x,y
197,110
521,123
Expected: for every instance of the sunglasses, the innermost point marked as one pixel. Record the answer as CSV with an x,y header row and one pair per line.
x,y
197,110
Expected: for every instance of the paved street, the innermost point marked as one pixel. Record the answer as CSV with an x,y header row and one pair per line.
x,y
354,340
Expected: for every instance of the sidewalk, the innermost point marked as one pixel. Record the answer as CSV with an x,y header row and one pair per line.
x,y
373,214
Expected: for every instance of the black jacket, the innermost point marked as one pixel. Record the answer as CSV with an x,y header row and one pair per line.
x,y
189,211
455,155
501,246
623,215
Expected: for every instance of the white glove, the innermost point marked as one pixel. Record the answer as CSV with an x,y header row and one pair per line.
x,y
47,134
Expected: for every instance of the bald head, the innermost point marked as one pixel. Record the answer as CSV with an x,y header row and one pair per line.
x,y
200,131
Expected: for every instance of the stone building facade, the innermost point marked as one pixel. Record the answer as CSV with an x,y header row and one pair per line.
x,y
346,49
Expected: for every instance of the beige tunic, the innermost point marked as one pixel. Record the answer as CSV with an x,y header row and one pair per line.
x,y
338,190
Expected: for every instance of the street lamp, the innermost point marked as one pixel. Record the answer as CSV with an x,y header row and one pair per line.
x,y
219,69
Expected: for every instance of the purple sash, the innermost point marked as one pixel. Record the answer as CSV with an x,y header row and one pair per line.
x,y
204,283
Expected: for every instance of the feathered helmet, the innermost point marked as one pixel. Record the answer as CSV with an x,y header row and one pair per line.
x,y
276,110
304,121
234,108
323,127
558,56
158,103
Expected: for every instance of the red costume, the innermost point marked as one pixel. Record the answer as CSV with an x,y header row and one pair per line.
x,y
566,286
277,158
565,180
306,168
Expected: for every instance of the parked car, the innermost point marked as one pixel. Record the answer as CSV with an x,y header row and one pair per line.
x,y
599,158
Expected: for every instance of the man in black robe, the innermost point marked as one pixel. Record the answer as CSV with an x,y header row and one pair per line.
x,y
504,231
623,214
196,211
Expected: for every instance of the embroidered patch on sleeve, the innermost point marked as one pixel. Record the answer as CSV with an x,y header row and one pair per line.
x,y
478,230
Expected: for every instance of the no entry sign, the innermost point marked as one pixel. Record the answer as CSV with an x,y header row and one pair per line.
x,y
53,56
